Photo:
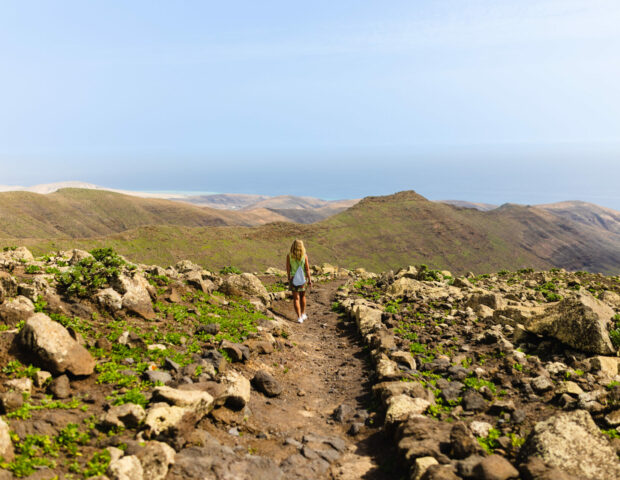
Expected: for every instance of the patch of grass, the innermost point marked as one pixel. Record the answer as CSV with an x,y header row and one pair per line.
x,y
393,306
23,412
278,286
133,395
97,465
158,280
32,269
369,282
418,348
478,383
40,305
31,454
489,443
611,433
83,327
16,369
336,307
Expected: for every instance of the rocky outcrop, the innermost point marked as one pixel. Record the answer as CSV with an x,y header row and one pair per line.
x,y
245,285
16,310
581,321
572,441
136,297
53,347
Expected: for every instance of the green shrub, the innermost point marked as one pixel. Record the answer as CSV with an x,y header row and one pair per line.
x,y
91,273
32,269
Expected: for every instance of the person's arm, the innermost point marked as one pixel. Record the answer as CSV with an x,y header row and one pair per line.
x,y
308,272
288,269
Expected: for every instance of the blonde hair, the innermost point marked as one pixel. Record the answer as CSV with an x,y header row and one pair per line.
x,y
298,251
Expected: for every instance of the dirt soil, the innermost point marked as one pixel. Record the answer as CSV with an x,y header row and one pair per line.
x,y
321,366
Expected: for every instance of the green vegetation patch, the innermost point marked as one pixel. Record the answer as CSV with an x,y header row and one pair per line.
x,y
92,273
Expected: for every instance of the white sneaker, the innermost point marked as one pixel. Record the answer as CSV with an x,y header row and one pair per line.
x,y
304,317
300,320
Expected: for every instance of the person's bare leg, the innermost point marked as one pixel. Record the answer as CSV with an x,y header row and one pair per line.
x,y
296,304
303,302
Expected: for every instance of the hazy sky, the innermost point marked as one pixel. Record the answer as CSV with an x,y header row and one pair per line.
x,y
485,100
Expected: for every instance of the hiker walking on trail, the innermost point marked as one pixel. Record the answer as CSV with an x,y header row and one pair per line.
x,y
298,273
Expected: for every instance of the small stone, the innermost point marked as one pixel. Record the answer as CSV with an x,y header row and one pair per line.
x,y
157,376
233,350
21,385
267,384
480,429
473,401
462,442
126,468
11,401
128,415
495,467
355,428
570,388
541,384
421,466
342,413
613,418
60,387
209,329
41,377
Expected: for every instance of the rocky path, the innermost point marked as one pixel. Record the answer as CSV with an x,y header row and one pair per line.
x,y
322,367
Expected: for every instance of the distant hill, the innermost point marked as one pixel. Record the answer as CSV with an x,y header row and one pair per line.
x,y
484,207
587,214
289,207
260,209
378,233
89,213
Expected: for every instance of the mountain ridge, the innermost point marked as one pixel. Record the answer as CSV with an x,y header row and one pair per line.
x,y
377,233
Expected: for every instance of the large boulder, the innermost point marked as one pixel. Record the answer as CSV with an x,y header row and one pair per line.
x,y
16,309
580,321
572,442
53,347
489,299
136,296
6,445
197,280
162,418
237,390
126,468
21,254
403,286
245,285
401,407
198,402
156,459
109,299
8,286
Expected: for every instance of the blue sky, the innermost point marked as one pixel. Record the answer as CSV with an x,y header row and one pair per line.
x,y
485,100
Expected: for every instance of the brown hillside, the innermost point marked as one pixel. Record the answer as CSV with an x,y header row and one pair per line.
x,y
380,233
90,213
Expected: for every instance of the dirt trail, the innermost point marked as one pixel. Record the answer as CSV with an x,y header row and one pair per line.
x,y
321,366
